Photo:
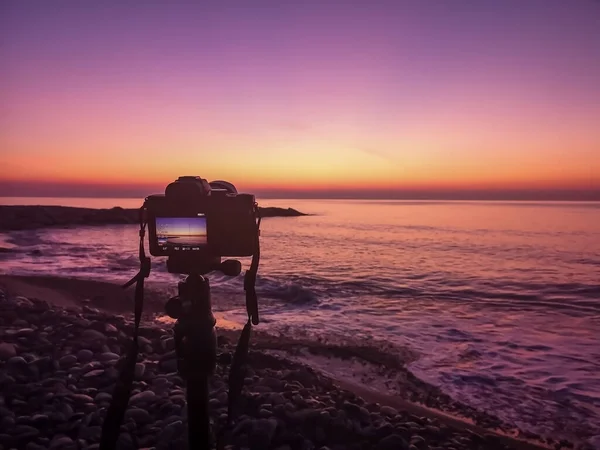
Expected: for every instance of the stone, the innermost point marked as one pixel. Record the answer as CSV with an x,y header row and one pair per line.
x,y
24,332
170,431
140,369
82,398
389,411
392,442
103,397
61,442
93,373
67,361
93,335
7,351
125,442
16,364
26,432
262,433
85,355
142,397
107,356
110,329
140,416
168,365
92,433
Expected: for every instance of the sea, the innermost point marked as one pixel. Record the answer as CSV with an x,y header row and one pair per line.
x,y
499,302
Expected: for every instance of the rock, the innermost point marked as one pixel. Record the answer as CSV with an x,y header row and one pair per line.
x,y
67,361
125,442
23,302
142,397
82,398
92,433
110,329
389,411
262,433
103,397
168,344
16,365
418,441
140,369
61,442
170,431
25,432
94,373
107,356
140,416
85,355
7,351
168,365
93,335
24,332
392,442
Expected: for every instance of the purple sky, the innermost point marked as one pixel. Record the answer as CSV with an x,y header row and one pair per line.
x,y
283,97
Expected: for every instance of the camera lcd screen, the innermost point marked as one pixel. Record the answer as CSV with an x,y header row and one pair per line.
x,y
181,233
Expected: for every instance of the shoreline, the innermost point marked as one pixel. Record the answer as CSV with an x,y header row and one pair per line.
x,y
29,217
79,295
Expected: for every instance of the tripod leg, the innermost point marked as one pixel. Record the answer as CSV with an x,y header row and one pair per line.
x,y
198,414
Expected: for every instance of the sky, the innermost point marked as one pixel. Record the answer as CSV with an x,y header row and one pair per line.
x,y
419,98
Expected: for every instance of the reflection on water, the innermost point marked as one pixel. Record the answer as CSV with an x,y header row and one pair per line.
x,y
500,300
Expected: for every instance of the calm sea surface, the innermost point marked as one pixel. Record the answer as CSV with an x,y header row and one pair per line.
x,y
499,300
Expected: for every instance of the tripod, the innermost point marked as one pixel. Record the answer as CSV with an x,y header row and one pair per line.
x,y
196,350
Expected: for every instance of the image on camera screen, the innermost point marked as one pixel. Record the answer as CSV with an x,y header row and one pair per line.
x,y
181,233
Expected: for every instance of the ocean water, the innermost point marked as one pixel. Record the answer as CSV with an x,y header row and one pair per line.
x,y
499,301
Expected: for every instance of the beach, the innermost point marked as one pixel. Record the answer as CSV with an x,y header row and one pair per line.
x,y
59,351
420,325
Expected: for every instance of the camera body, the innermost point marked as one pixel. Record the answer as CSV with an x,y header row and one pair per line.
x,y
199,221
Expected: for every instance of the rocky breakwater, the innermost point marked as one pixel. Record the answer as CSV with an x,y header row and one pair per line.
x,y
58,368
31,217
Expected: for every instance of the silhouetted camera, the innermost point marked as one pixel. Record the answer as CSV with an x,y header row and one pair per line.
x,y
195,223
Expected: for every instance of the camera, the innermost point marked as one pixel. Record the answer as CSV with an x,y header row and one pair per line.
x,y
195,223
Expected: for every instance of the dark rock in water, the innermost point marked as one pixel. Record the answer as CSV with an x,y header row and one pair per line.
x,y
7,351
31,217
392,442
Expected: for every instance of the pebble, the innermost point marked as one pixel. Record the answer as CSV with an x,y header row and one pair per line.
x,y
16,365
140,369
61,442
7,351
107,356
93,335
284,407
389,411
85,355
67,361
392,442
82,398
94,373
142,397
140,416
